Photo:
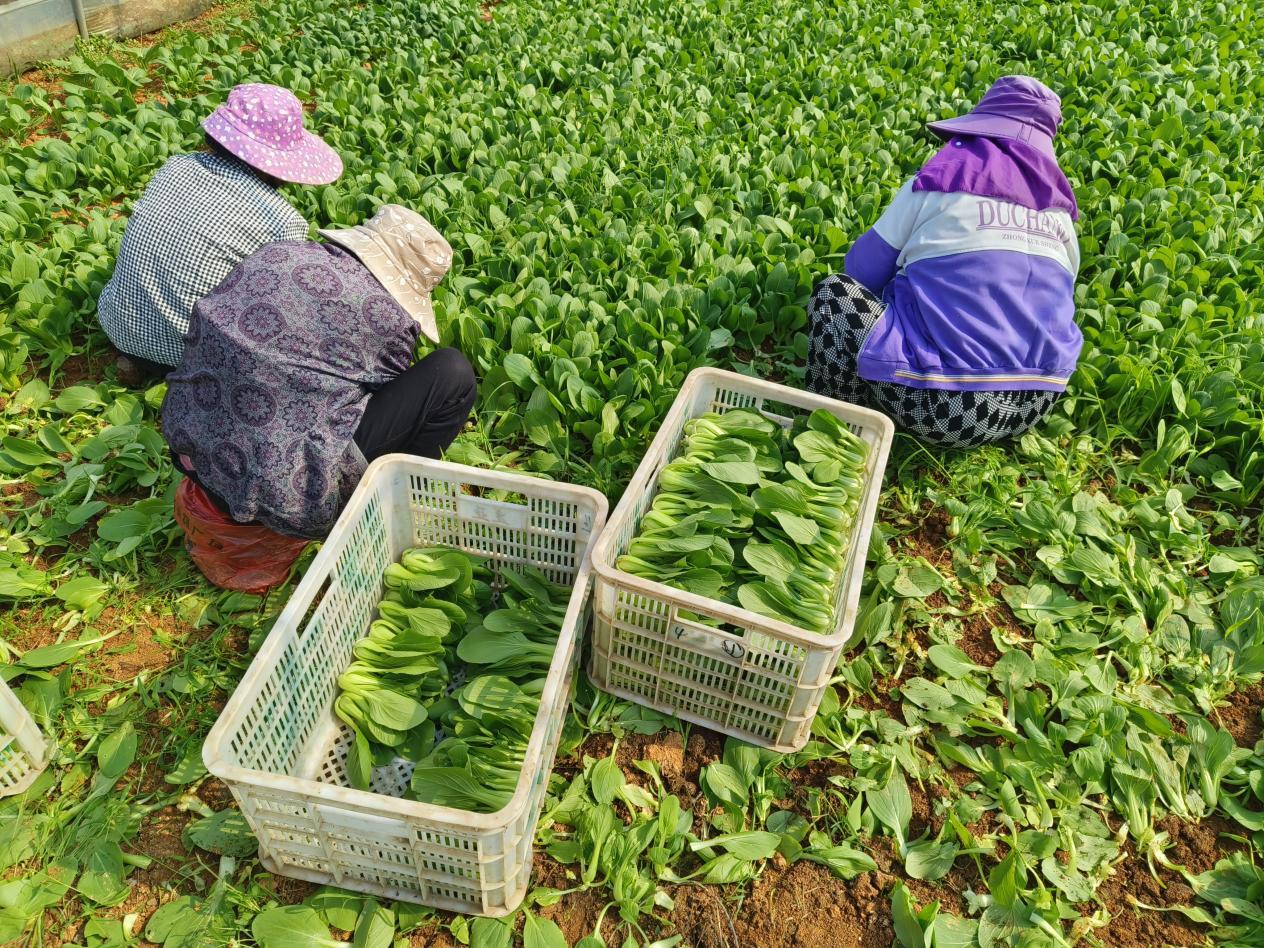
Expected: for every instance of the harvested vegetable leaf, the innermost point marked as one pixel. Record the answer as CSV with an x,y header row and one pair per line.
x,y
797,490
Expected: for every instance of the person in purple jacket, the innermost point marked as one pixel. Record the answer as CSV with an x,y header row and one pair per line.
x,y
956,313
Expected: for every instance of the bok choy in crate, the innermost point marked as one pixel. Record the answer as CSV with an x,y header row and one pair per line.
x,y
755,514
441,623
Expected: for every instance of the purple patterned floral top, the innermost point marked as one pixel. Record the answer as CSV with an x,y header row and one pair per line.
x,y
279,363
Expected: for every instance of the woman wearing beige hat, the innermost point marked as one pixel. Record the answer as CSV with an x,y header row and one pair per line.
x,y
297,372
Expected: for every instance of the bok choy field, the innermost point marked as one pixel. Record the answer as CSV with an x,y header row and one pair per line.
x,y
1047,731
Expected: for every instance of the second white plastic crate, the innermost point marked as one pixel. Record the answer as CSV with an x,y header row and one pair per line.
x,y
756,678
281,750
23,751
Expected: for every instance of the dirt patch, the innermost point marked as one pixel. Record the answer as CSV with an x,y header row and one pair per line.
x,y
575,913
204,24
1240,716
817,773
159,838
50,82
158,883
705,918
976,639
32,627
878,698
151,92
595,746
146,897
136,647
666,752
950,891
803,905
27,496
215,795
704,747
43,131
929,538
924,816
1131,926
285,890
47,79
430,937
1199,846
1002,616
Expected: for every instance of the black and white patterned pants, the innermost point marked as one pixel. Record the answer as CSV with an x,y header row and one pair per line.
x,y
842,312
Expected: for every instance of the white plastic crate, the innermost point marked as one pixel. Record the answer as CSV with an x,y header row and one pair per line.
x,y
281,750
756,678
23,751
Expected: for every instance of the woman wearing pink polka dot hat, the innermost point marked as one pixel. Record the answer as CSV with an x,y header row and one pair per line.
x,y
204,213
263,126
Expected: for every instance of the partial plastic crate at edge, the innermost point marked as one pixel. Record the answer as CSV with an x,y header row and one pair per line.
x,y
757,678
281,750
23,751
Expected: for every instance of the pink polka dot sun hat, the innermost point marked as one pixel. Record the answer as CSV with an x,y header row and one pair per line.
x,y
263,126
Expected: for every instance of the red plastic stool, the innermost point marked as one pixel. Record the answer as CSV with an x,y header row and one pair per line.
x,y
243,557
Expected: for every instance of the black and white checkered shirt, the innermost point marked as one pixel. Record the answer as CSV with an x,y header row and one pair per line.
x,y
200,216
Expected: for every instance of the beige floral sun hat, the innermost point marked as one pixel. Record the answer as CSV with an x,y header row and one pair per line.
x,y
406,254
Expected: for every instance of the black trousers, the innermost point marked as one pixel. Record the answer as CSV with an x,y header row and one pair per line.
x,y
421,410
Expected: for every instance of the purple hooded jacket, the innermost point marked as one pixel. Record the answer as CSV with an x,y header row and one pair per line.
x,y
976,256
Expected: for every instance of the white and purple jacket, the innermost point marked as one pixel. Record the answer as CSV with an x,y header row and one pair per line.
x,y
975,260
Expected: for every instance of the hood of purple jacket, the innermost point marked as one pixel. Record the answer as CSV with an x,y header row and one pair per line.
x,y
1000,168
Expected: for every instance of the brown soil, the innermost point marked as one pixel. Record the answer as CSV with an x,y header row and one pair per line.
x,y
1199,846
82,368
147,897
26,495
204,24
1241,715
801,906
949,891
159,838
879,699
678,761
290,891
575,913
160,882
29,628
817,773
705,917
667,752
151,92
1002,616
431,936
976,639
42,131
924,816
215,795
51,84
1131,927
929,538
136,648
